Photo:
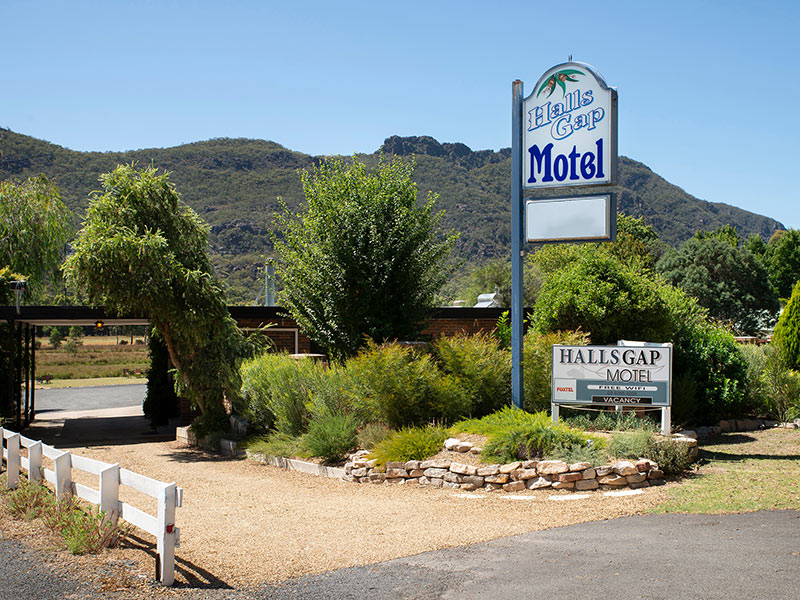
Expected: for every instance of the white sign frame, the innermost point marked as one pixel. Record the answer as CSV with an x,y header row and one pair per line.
x,y
569,129
575,219
637,374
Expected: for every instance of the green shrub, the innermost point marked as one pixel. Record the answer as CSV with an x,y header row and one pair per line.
x,y
593,453
416,443
633,444
482,367
781,386
672,457
278,444
328,391
537,365
610,421
599,294
506,418
787,331
708,354
394,385
371,434
277,389
331,436
513,437
755,390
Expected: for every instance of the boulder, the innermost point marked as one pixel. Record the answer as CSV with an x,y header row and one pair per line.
x,y
538,483
463,469
625,467
552,467
586,484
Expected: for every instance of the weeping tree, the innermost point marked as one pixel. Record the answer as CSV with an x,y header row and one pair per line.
x,y
142,251
34,228
363,259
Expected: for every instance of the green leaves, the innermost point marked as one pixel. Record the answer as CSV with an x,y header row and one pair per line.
x,y
142,251
35,226
363,257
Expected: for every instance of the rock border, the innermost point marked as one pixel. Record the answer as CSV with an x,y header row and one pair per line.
x,y
511,477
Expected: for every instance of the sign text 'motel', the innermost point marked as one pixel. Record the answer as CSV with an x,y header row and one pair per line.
x,y
569,129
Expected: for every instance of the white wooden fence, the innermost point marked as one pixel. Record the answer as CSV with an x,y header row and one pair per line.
x,y
110,476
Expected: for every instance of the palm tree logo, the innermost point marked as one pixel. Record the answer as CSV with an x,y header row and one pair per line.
x,y
558,79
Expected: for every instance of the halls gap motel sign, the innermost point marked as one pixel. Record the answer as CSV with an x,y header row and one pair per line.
x,y
563,134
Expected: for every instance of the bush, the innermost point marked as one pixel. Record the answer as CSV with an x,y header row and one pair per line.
x,y
482,367
672,457
506,418
276,389
537,365
82,531
416,443
372,434
634,444
781,386
599,294
278,444
331,437
530,442
592,452
709,355
755,390
610,421
394,385
787,332
515,434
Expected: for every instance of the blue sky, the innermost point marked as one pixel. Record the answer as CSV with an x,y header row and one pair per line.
x,y
709,96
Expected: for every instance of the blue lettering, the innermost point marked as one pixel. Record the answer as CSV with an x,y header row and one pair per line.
x,y
588,168
562,128
542,158
587,99
599,145
573,171
560,167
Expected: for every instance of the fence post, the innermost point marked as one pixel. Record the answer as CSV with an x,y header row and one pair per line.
x,y
2,453
13,462
35,462
109,493
166,534
63,465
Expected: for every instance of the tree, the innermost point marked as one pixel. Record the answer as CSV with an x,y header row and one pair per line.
x,y
34,228
604,297
786,336
725,278
782,259
142,251
363,258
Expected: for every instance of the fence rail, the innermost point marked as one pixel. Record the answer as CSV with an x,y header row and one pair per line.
x,y
106,496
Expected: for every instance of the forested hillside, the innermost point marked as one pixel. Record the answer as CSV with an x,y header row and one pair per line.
x,y
234,184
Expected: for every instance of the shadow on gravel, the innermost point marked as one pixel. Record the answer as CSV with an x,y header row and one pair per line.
x,y
188,574
97,431
709,455
192,455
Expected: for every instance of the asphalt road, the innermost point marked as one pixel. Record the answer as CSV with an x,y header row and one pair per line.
x,y
751,555
89,398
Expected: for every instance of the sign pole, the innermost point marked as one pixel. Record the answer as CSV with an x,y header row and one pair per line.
x,y
517,222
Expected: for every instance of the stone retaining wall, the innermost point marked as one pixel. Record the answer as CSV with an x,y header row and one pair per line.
x,y
511,477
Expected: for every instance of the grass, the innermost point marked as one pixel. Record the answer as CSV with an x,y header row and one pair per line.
x,y
89,382
82,531
93,359
742,472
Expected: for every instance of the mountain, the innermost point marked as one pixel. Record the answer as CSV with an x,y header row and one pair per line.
x,y
234,184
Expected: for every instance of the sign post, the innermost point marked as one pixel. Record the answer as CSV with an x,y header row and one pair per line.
x,y
563,134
